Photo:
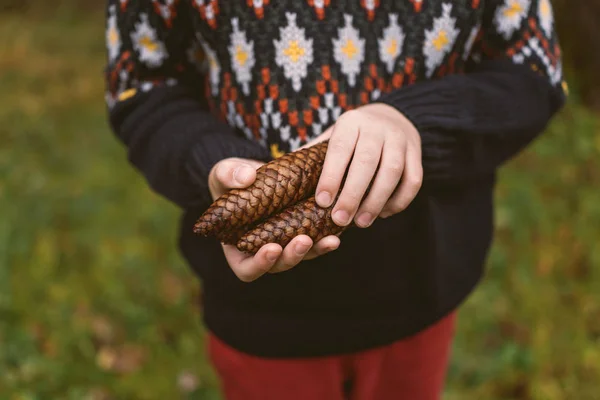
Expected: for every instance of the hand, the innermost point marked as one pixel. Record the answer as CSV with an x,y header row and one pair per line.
x,y
385,148
233,173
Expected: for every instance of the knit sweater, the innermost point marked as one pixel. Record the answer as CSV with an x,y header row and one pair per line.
x,y
191,82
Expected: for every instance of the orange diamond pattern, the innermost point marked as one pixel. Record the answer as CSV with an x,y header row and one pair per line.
x,y
258,7
319,6
209,10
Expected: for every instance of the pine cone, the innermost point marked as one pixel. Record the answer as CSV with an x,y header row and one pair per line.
x,y
304,218
279,184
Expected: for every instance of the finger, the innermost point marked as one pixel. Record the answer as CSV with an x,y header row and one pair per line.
x,y
249,268
362,169
410,183
232,173
339,152
293,253
389,173
323,246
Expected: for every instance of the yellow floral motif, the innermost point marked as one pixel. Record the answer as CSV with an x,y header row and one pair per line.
x,y
510,15
275,152
441,40
294,51
391,43
113,36
145,40
349,49
213,63
240,55
545,8
241,51
513,9
147,43
546,15
392,49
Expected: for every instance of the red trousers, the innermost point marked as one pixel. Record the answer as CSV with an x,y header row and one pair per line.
x,y
412,369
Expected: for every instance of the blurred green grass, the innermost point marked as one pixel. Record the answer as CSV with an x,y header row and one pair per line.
x,y
96,303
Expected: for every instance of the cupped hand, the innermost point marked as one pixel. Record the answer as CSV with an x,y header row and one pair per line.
x,y
232,173
377,145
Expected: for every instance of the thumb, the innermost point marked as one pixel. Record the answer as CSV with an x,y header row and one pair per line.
x,y
232,173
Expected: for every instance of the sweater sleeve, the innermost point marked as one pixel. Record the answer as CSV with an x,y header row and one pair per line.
x,y
155,77
472,123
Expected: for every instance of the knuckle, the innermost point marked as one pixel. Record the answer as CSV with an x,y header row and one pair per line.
x,y
328,179
222,172
395,167
365,158
415,181
336,145
350,199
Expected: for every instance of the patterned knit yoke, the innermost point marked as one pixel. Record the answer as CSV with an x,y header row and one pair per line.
x,y
282,71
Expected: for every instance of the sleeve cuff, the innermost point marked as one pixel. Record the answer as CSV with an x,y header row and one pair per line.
x,y
464,119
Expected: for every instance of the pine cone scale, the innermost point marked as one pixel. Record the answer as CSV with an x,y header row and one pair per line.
x,y
304,218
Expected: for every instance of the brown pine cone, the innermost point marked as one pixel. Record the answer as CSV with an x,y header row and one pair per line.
x,y
279,184
304,218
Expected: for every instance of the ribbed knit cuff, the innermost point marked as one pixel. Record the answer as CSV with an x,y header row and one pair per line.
x,y
429,106
471,123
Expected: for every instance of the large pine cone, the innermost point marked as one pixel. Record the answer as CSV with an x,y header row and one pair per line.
x,y
277,207
304,218
280,183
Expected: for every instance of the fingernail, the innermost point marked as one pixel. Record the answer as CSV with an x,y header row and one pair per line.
x,y
272,256
302,248
341,217
365,219
324,199
242,174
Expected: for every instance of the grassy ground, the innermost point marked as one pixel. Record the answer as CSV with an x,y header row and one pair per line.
x,y
95,302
